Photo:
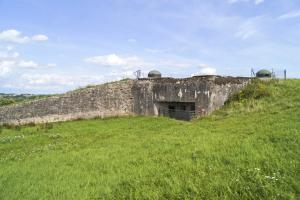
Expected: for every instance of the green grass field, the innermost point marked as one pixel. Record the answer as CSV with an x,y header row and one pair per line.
x,y
248,150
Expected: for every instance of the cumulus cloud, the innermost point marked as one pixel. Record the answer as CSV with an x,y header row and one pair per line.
x,y
39,38
290,15
134,62
11,61
115,60
7,62
9,55
42,79
52,82
125,67
9,48
110,60
15,36
206,71
28,64
6,67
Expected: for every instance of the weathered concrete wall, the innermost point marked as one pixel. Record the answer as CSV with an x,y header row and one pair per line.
x,y
112,99
129,97
142,97
207,92
221,90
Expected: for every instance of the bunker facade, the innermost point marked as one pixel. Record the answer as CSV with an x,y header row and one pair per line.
x,y
177,98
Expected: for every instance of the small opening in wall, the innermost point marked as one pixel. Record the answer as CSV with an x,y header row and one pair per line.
x,y
193,107
171,107
177,110
183,107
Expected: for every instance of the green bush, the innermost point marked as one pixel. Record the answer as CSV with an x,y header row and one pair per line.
x,y
4,101
13,99
255,90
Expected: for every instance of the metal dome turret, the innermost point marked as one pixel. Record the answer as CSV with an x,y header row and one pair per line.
x,y
154,74
264,74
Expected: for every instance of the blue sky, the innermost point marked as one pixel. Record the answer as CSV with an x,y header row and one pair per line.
x,y
52,46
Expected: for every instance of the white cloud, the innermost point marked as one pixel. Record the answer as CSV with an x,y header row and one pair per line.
x,y
256,2
108,60
9,48
28,64
115,60
15,36
53,82
15,55
124,67
39,38
42,79
290,15
206,71
11,61
9,55
7,62
6,67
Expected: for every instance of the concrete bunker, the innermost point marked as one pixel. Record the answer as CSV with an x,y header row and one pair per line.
x,y
179,98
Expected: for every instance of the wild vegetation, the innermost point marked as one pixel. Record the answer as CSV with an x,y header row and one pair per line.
x,y
8,99
247,150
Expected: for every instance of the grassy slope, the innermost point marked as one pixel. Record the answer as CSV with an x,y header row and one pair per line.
x,y
247,150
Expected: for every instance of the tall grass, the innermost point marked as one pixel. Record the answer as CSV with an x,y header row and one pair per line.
x,y
247,150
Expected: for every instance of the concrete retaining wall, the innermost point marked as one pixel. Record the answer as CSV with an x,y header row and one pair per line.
x,y
112,99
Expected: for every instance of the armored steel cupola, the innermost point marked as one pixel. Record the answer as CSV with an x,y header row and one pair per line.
x,y
154,74
264,74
